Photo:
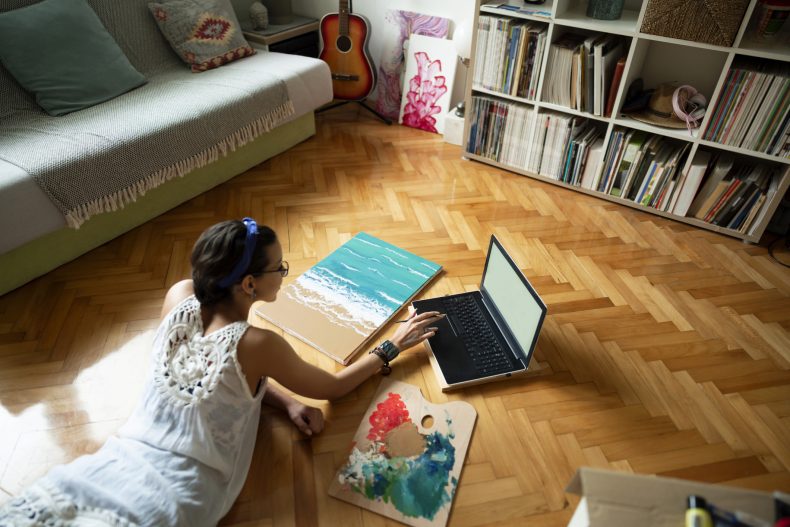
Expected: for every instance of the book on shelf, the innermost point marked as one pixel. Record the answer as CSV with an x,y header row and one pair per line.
x,y
607,52
734,192
559,69
690,182
634,142
588,74
712,187
593,161
753,107
522,9
616,78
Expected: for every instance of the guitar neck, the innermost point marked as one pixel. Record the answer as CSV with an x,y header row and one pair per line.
x,y
344,10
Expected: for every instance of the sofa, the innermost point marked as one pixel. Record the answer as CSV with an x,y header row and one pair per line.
x,y
38,234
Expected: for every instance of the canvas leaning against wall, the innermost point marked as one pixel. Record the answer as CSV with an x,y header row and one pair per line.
x,y
427,83
343,300
395,31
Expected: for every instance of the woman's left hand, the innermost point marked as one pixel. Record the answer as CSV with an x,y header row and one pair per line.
x,y
308,419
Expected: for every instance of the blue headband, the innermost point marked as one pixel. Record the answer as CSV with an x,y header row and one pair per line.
x,y
244,263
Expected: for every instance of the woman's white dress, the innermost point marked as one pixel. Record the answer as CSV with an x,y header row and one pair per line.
x,y
183,455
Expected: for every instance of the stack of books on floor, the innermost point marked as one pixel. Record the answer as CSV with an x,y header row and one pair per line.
x,y
753,111
643,168
584,72
508,55
733,193
557,146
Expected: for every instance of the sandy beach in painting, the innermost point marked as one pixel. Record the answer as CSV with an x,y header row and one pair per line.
x,y
342,300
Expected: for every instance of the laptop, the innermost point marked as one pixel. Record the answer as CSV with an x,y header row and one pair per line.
x,y
489,334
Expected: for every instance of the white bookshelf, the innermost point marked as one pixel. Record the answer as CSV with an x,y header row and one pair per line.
x,y
655,59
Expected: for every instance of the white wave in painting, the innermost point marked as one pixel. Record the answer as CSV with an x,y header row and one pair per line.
x,y
396,253
393,262
388,298
407,286
431,267
353,253
362,240
376,271
370,258
349,267
339,303
412,271
341,278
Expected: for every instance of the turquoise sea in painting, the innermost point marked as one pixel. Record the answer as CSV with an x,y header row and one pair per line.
x,y
362,283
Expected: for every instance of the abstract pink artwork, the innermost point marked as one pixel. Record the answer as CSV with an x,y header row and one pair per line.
x,y
400,25
430,69
425,88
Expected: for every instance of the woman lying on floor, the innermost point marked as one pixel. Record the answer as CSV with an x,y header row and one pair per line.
x,y
184,454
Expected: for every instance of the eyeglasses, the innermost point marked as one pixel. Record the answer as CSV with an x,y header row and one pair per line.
x,y
283,269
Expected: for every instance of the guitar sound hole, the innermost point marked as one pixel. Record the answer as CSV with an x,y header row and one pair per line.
x,y
343,43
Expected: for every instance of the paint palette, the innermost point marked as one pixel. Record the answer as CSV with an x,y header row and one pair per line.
x,y
407,456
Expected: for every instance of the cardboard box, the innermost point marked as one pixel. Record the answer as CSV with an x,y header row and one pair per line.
x,y
613,499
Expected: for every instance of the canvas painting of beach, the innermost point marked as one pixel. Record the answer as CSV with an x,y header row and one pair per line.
x,y
343,300
406,456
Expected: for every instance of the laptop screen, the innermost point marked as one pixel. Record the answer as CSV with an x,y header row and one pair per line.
x,y
513,297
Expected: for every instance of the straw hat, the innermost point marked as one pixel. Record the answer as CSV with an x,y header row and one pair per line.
x,y
659,110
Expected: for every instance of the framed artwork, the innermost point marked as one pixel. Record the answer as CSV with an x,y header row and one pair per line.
x,y
343,300
406,456
427,84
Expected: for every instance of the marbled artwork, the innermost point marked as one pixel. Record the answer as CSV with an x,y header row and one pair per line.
x,y
400,24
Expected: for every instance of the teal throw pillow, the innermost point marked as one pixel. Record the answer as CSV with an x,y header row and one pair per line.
x,y
205,33
59,51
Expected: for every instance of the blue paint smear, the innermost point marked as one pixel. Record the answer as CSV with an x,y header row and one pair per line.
x,y
417,487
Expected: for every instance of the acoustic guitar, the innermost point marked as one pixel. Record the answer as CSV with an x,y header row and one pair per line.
x,y
344,47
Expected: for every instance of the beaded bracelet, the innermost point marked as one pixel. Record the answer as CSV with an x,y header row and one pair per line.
x,y
386,351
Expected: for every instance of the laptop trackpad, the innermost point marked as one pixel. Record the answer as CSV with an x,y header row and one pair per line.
x,y
450,353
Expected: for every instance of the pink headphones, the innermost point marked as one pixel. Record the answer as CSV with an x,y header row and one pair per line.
x,y
689,105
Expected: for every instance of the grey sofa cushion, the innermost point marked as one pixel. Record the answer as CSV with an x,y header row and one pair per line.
x,y
59,51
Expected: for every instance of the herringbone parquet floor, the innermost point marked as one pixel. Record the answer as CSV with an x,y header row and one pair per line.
x,y
666,349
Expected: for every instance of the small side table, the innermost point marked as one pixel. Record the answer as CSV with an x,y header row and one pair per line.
x,y
300,37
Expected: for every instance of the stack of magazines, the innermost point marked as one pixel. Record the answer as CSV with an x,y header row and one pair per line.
x,y
584,72
753,110
508,55
553,145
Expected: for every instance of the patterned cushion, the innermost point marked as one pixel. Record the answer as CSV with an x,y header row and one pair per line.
x,y
204,33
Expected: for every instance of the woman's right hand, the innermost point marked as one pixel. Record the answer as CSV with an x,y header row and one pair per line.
x,y
416,329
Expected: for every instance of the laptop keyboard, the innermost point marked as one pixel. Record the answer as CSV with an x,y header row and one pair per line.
x,y
471,325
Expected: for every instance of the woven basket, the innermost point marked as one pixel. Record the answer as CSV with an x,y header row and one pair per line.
x,y
710,21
